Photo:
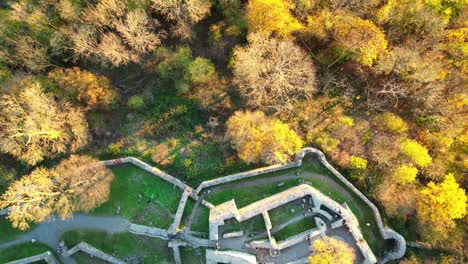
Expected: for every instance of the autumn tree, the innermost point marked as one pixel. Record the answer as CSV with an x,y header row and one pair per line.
x,y
272,74
409,17
412,64
390,122
111,31
272,16
439,205
330,250
79,183
184,13
396,198
258,138
350,36
405,174
34,126
93,91
416,152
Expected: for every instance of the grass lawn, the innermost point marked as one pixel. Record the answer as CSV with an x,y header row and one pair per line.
x,y
22,251
124,245
200,222
247,195
83,258
283,213
253,225
143,197
294,229
7,232
193,255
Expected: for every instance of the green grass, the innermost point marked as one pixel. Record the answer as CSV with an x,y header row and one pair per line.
x,y
84,258
149,250
22,251
253,225
283,213
295,228
192,255
159,198
247,195
200,223
7,232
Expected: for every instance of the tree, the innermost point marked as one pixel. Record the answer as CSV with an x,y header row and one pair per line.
x,y
78,183
439,205
416,152
349,35
330,250
410,63
359,37
405,174
200,71
111,31
272,16
392,123
412,17
273,74
258,138
361,8
397,199
34,126
184,13
94,91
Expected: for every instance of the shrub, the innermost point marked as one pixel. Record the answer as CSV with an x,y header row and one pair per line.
x,y
357,163
136,102
200,71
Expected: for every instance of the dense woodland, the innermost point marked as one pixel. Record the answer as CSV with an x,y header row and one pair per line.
x,y
203,88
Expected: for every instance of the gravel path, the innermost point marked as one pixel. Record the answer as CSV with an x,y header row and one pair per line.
x,y
50,232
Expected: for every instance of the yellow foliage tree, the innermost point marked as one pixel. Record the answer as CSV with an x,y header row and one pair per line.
x,y
416,152
360,37
78,183
392,123
92,90
405,174
260,138
329,250
350,36
34,126
272,16
439,205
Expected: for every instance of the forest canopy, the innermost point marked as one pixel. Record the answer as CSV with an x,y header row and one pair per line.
x,y
204,88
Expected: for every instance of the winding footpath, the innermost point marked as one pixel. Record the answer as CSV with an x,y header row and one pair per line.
x,y
50,232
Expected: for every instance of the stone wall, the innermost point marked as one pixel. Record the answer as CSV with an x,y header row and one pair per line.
x,y
87,248
157,172
244,175
387,233
46,256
